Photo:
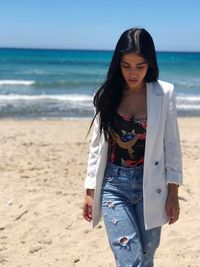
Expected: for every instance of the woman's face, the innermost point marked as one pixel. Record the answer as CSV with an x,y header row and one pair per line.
x,y
134,69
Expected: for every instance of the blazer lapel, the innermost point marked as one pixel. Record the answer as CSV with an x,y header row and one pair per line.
x,y
154,105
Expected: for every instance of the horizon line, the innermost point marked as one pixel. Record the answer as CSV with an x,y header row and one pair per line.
x,y
92,49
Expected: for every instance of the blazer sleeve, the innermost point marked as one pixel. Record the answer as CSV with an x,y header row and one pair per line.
x,y
173,157
90,179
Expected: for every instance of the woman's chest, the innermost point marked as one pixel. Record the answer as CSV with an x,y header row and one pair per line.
x,y
133,106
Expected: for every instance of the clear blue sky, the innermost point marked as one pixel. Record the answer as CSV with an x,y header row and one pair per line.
x,y
97,24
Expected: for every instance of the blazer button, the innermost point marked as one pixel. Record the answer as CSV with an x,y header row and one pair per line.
x,y
159,190
156,163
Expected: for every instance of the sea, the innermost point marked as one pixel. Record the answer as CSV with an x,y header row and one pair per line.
x,y
60,84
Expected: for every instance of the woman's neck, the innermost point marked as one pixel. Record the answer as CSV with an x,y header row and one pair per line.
x,y
135,91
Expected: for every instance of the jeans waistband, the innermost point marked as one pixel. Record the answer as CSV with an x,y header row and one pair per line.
x,y
128,171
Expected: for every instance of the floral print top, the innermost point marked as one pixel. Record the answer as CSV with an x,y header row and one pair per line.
x,y
127,141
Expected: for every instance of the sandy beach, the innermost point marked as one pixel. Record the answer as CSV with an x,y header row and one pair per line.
x,y
43,165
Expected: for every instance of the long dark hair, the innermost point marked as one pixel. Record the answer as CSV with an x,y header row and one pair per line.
x,y
107,99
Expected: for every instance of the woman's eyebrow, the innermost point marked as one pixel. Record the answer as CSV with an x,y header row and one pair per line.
x,y
142,63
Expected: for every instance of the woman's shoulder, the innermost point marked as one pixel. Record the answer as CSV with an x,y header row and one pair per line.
x,y
162,87
166,86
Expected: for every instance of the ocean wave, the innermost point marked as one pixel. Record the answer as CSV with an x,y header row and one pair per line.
x,y
52,84
59,62
188,100
67,105
188,107
68,84
16,82
69,97
187,84
180,99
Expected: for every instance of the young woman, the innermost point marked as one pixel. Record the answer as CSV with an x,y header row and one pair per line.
x,y
134,166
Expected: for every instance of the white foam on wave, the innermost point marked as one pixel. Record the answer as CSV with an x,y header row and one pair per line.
x,y
75,100
191,98
16,82
188,107
188,102
72,98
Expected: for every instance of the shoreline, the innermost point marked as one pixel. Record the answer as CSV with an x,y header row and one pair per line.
x,y
75,119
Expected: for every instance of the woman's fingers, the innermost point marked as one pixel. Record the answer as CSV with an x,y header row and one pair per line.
x,y
172,209
175,215
87,213
169,210
87,208
90,212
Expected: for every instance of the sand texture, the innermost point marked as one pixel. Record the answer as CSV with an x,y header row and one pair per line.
x,y
42,167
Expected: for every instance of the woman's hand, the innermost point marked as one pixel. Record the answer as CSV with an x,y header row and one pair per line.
x,y
88,204
172,203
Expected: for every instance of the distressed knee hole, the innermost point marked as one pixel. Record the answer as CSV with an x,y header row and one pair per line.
x,y
123,240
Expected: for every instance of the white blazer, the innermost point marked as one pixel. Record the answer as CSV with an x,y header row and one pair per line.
x,y
162,160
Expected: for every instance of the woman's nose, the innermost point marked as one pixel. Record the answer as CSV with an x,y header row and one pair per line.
x,y
133,73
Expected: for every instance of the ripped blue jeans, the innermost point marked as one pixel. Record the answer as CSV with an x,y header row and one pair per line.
x,y
122,209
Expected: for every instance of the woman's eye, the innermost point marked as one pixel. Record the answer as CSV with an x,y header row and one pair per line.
x,y
126,67
140,68
137,68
